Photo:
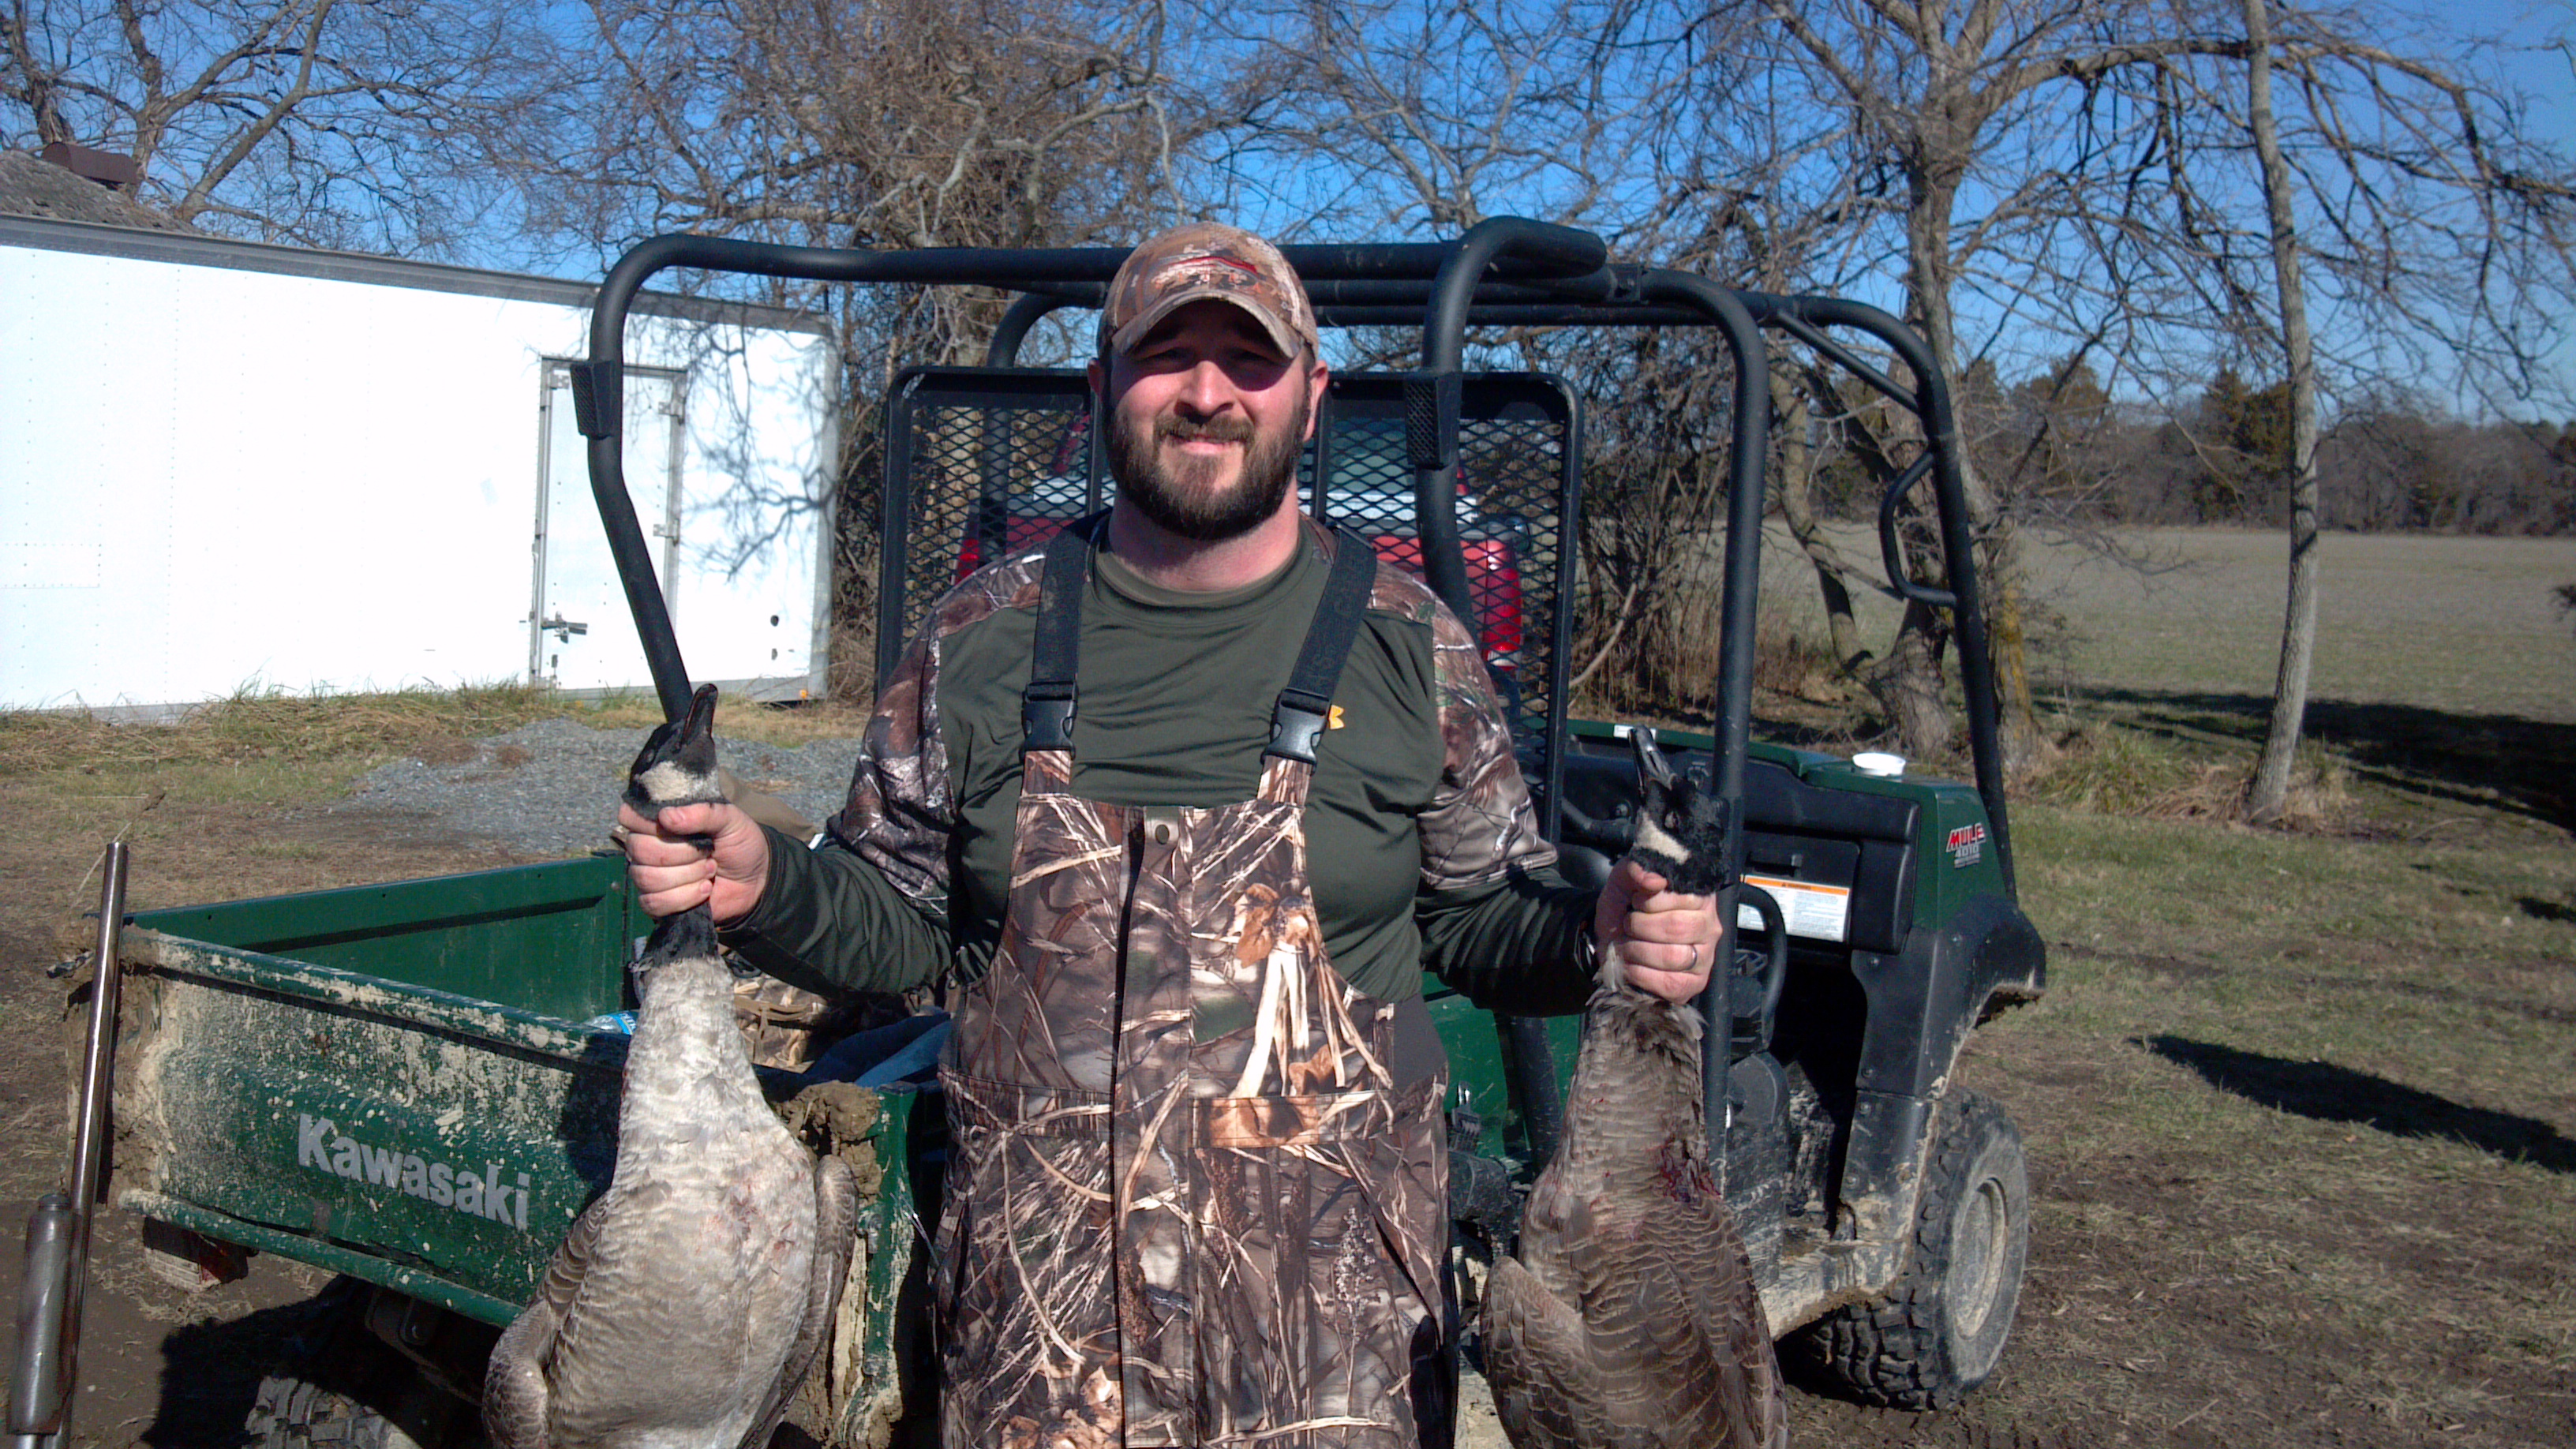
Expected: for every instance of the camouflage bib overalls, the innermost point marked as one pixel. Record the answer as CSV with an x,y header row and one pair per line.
x,y
1189,1203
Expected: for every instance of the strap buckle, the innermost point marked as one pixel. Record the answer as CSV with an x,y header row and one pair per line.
x,y
1297,724
1046,715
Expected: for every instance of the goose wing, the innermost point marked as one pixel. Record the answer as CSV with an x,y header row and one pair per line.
x,y
1538,1360
1700,1335
515,1392
1659,1345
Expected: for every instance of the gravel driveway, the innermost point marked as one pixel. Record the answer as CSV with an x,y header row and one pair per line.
x,y
551,788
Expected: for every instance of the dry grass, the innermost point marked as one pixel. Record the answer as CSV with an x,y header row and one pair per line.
x,y
231,766
2298,1101
784,725
2105,767
1664,667
251,729
1790,663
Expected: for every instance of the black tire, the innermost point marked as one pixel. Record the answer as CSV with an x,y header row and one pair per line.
x,y
295,1413
1940,1330
343,1389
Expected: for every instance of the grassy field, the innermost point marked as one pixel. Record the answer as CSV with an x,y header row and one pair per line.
x,y
2464,625
2301,1107
2302,1117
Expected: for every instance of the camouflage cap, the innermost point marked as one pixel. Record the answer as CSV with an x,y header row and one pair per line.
x,y
1202,260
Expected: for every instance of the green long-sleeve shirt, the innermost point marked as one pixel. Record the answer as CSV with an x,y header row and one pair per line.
x,y
1421,843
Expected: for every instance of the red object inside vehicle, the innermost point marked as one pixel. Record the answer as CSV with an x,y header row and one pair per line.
x,y
1493,582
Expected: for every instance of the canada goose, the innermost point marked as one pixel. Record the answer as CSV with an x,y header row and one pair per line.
x,y
1630,1319
687,1304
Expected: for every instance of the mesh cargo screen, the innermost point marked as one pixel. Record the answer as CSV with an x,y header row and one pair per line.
x,y
983,463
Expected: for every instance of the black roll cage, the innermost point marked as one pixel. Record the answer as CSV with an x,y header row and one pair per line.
x,y
1504,271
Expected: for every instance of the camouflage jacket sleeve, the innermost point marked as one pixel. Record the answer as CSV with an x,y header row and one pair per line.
x,y
1498,923
1479,828
900,815
868,908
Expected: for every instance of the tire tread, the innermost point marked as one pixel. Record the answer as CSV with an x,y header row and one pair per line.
x,y
1890,1351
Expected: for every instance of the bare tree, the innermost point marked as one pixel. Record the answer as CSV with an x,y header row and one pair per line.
x,y
1932,91
2271,788
2047,161
1795,437
318,122
871,123
1642,120
1394,119
854,123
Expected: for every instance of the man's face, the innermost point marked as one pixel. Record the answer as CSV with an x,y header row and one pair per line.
x,y
1206,421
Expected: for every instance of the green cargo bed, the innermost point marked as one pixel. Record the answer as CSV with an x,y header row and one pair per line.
x,y
399,1083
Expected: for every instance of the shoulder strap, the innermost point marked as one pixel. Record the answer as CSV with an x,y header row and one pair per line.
x,y
1047,704
1299,717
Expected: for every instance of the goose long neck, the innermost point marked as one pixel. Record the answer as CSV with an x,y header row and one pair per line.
x,y
687,1070
1634,1107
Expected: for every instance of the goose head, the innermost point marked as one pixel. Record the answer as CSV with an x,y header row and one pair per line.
x,y
677,765
1681,822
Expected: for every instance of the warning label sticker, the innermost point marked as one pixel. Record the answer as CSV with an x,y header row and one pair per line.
x,y
1817,912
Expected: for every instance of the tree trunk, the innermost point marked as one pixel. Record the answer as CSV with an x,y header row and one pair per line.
x,y
2008,639
2299,622
1797,509
1906,681
1930,269
1907,685
1842,630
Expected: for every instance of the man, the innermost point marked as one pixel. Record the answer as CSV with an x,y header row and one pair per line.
x,y
1183,806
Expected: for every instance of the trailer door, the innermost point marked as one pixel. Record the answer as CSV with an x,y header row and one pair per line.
x,y
581,634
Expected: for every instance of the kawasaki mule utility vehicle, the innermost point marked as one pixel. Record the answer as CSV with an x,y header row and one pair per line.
x,y
411,1086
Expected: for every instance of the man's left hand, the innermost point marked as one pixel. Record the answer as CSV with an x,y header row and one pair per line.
x,y
1668,941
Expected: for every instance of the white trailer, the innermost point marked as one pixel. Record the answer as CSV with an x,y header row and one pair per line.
x,y
228,466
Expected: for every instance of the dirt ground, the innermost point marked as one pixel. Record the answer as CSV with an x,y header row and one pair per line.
x,y
158,1365
2129,1333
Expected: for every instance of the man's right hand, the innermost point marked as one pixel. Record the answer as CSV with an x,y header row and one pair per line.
x,y
673,867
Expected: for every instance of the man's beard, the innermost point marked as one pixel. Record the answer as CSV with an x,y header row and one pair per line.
x,y
1184,499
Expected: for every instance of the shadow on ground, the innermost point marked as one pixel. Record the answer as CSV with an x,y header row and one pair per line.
x,y
210,1373
309,1375
2540,910
2526,766
2330,1093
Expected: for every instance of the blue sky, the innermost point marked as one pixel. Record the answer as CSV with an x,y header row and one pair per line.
x,y
2540,60
2544,62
